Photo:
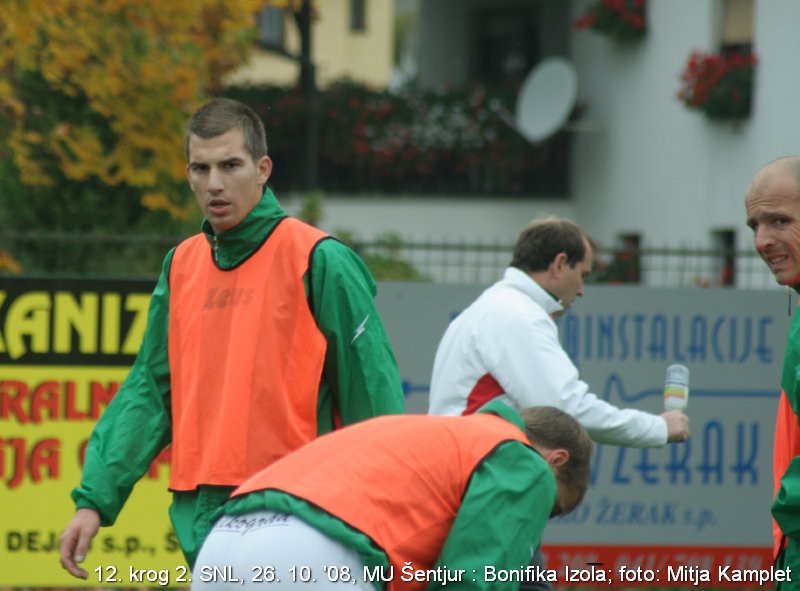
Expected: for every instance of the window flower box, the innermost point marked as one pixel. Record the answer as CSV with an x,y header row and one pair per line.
x,y
620,20
719,85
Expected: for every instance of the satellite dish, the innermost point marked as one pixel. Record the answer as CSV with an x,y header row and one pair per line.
x,y
546,99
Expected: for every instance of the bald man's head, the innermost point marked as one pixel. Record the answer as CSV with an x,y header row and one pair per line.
x,y
784,168
772,203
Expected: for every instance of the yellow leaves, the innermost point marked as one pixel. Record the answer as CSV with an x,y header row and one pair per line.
x,y
160,202
79,151
81,154
9,101
24,145
135,68
8,264
20,18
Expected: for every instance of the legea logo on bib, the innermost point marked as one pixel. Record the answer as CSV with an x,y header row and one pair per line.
x,y
216,298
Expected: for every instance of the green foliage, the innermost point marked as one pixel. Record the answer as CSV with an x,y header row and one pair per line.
x,y
311,210
450,141
70,205
383,257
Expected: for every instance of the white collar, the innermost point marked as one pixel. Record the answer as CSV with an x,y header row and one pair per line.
x,y
523,282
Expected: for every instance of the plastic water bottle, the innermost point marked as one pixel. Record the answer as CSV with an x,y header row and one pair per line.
x,y
676,388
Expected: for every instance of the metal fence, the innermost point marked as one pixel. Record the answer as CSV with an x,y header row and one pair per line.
x,y
63,254
483,263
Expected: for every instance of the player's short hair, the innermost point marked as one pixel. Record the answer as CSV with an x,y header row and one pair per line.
x,y
221,115
544,238
553,428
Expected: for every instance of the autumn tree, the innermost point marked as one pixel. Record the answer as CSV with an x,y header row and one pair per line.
x,y
94,95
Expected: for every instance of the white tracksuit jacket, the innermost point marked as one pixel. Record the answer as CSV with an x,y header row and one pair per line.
x,y
505,344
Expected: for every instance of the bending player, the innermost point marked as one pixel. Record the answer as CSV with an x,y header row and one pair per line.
x,y
441,496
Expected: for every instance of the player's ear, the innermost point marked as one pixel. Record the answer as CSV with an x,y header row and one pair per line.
x,y
264,165
557,457
559,262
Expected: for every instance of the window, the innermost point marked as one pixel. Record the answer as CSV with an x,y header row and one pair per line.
x,y
271,27
737,26
506,43
725,257
358,15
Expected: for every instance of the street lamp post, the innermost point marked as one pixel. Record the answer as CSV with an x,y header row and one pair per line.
x,y
309,86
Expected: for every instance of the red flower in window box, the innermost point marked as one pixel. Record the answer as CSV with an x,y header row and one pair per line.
x,y
718,84
621,20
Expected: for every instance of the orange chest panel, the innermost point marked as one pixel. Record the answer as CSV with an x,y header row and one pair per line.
x,y
246,358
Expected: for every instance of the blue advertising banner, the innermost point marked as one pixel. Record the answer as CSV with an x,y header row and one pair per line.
x,y
701,504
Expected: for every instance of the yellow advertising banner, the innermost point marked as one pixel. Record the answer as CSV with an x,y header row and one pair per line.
x,y
65,349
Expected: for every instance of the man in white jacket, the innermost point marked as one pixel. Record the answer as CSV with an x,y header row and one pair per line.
x,y
505,345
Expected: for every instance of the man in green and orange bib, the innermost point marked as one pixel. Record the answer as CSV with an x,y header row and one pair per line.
x,y
457,501
262,334
772,203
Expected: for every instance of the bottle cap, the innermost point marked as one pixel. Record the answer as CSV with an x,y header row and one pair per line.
x,y
678,375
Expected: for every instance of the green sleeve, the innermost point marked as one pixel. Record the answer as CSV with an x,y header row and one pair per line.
x,y
501,519
786,507
136,425
360,375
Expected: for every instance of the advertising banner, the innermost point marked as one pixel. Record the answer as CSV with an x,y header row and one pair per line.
x,y
681,515
703,505
65,348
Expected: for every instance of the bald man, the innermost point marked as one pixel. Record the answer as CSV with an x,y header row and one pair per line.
x,y
772,203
